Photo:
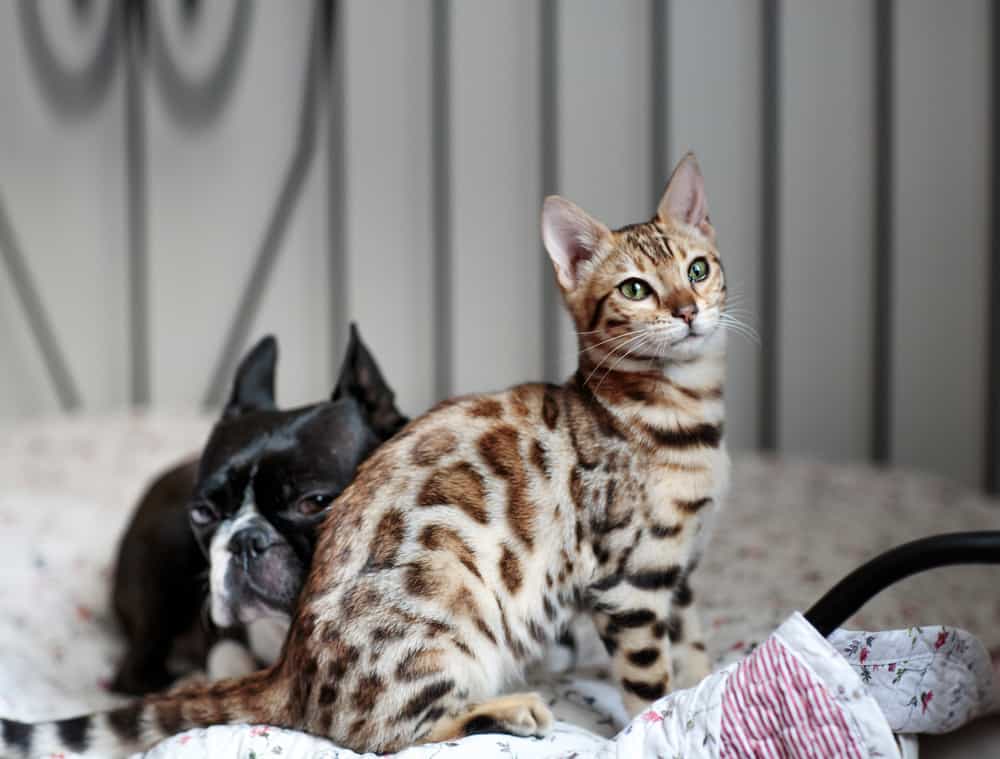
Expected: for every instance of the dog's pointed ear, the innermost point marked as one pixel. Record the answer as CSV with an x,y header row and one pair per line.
x,y
361,379
253,388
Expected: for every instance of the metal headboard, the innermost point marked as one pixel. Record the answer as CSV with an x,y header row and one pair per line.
x,y
133,40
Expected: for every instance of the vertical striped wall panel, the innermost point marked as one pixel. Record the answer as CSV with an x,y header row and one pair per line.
x,y
825,314
390,285
310,218
495,288
942,236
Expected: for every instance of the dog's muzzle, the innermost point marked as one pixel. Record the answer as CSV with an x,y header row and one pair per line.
x,y
260,573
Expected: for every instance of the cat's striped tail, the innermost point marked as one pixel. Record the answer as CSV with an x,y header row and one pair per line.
x,y
139,725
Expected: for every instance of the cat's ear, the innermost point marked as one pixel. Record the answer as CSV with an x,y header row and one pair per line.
x,y
684,200
253,388
571,238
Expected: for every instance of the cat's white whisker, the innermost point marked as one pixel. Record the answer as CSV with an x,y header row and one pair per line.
x,y
610,353
611,339
739,328
642,343
740,324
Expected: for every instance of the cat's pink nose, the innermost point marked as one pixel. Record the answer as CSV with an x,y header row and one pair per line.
x,y
687,312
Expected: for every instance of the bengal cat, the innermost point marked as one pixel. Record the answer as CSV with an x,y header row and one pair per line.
x,y
466,543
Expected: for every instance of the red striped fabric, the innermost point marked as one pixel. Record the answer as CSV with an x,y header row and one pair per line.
x,y
775,708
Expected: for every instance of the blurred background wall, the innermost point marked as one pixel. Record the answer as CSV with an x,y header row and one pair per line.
x,y
178,177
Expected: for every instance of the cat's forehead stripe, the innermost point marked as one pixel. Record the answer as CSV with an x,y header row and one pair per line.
x,y
649,239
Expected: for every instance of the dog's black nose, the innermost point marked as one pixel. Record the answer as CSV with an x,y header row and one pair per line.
x,y
250,542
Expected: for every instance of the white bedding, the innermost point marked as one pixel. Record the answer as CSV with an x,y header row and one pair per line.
x,y
791,530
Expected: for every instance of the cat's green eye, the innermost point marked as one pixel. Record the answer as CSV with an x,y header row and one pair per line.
x,y
634,289
698,270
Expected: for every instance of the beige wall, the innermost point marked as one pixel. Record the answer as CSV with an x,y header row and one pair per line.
x,y
211,192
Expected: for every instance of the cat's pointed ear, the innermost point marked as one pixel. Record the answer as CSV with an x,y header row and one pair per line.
x,y
361,379
571,237
684,200
253,388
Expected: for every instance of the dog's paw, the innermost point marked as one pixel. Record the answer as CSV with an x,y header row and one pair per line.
x,y
229,659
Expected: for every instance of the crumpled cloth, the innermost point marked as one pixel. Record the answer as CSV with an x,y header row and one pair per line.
x,y
800,695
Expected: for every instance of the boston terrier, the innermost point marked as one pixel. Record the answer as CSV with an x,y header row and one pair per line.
x,y
241,521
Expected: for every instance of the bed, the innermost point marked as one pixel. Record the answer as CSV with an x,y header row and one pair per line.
x,y
791,528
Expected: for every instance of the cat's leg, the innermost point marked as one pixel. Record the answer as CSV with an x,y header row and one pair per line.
x,y
522,714
690,660
633,624
561,654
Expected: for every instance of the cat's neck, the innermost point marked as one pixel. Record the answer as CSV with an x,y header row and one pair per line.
x,y
648,386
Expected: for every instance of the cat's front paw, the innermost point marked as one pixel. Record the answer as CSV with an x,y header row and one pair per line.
x,y
523,714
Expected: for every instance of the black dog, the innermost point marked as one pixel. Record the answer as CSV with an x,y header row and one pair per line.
x,y
246,516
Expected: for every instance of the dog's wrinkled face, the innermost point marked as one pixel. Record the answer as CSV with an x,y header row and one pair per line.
x,y
267,479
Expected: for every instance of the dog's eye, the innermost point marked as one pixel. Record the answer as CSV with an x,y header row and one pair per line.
x,y
313,504
202,514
